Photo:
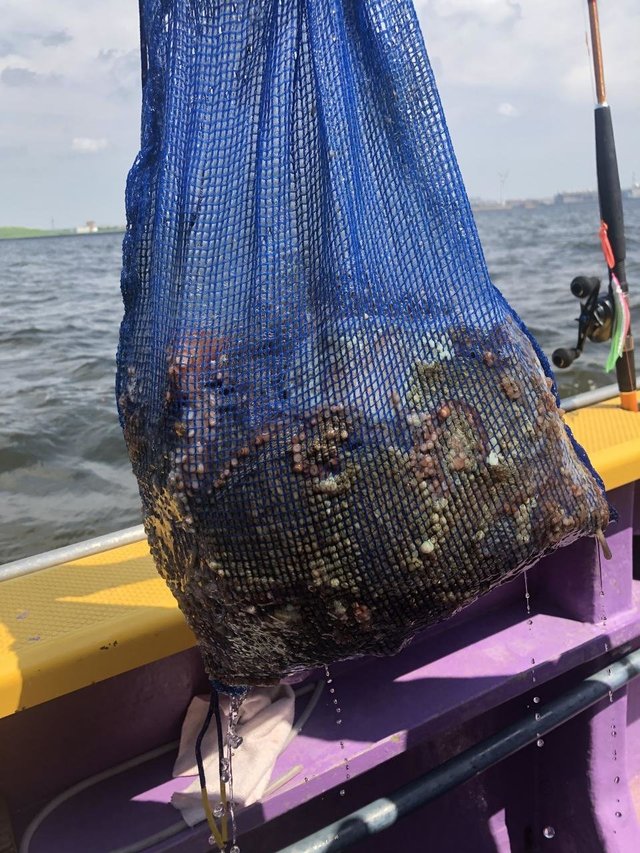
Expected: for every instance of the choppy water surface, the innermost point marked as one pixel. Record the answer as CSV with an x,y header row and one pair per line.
x,y
64,471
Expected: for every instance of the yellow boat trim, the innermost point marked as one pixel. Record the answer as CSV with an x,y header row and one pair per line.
x,y
611,437
80,622
68,626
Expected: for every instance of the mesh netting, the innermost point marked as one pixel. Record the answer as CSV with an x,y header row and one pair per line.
x,y
341,431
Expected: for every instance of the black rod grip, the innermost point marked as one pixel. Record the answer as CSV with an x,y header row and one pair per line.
x,y
609,183
626,368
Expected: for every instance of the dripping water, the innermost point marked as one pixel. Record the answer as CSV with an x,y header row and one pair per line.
x,y
527,601
338,720
234,740
603,618
547,831
603,612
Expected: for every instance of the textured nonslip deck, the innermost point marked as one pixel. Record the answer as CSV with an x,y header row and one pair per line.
x,y
70,625
67,626
611,437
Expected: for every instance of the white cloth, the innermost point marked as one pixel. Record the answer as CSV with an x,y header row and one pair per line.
x,y
264,723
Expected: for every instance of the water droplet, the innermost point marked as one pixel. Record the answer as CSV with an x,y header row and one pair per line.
x,y
218,810
533,660
614,733
549,832
618,814
332,690
536,699
235,741
338,722
540,742
306,778
235,849
610,696
616,780
537,716
225,776
529,621
342,792
212,841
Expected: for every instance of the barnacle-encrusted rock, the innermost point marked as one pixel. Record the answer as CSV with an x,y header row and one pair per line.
x,y
370,505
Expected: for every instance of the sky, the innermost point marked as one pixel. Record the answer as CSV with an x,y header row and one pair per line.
x,y
514,77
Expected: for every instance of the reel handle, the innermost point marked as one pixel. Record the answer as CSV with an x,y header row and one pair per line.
x,y
584,286
563,357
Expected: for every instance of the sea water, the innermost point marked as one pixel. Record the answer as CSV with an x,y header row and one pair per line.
x,y
64,471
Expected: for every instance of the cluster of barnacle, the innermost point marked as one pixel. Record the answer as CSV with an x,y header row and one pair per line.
x,y
131,405
316,447
343,528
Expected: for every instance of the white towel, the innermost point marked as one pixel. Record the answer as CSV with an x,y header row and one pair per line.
x,y
264,724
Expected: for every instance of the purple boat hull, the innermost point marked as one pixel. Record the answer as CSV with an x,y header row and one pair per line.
x,y
458,683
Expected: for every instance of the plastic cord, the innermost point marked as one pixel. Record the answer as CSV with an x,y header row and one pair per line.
x,y
309,709
220,836
179,826
88,783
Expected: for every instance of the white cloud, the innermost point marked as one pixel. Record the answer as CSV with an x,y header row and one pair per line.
x,y
18,77
490,12
86,145
56,38
493,52
77,77
534,45
508,110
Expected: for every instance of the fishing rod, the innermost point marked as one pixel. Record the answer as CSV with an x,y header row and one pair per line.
x,y
606,317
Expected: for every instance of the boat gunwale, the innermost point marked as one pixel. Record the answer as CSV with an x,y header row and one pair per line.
x,y
69,553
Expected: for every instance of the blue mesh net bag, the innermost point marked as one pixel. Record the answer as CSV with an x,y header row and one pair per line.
x,y
341,431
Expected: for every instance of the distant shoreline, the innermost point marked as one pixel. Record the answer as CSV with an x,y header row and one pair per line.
x,y
17,233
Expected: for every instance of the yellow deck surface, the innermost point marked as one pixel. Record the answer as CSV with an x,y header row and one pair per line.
x,y
611,437
68,626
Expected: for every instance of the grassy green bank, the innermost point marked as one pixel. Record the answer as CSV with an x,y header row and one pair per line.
x,y
16,232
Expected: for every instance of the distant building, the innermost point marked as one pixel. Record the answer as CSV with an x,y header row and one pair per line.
x,y
89,228
576,197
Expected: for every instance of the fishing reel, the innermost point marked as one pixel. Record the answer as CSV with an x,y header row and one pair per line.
x,y
595,321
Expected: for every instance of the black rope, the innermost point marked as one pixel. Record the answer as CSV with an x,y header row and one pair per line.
x,y
214,708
